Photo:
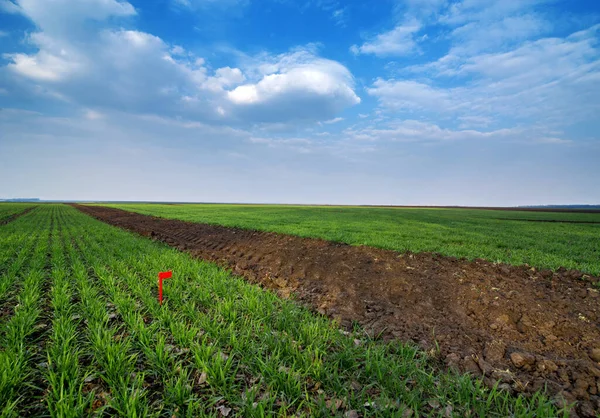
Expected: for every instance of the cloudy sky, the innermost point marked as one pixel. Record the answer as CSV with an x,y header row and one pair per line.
x,y
470,102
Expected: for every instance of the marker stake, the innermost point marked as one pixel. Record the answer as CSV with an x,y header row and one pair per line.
x,y
162,275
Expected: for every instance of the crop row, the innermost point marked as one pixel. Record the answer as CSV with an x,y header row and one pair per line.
x,y
8,210
83,333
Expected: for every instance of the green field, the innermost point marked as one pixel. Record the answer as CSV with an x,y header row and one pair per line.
x,y
81,333
503,236
9,209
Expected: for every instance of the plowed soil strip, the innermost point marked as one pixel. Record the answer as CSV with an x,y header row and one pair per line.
x,y
15,216
522,327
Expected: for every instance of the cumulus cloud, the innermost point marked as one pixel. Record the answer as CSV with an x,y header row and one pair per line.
x,y
317,79
114,68
68,17
135,71
299,83
43,66
398,41
224,77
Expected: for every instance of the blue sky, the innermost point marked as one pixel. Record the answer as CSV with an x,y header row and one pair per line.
x,y
432,102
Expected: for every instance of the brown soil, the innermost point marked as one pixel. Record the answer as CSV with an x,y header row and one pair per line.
x,y
15,216
517,325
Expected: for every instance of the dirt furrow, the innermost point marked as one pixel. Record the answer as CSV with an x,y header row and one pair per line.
x,y
517,325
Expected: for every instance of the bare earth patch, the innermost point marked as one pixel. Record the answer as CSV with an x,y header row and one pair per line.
x,y
519,326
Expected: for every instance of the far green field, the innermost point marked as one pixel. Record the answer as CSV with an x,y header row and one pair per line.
x,y
494,235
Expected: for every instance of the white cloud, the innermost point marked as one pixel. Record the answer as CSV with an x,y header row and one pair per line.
x,y
409,94
178,50
224,77
8,6
468,122
322,143
553,140
3,33
413,131
429,132
399,41
93,115
474,26
315,79
554,78
43,66
105,67
297,145
478,35
423,7
340,16
542,59
63,17
550,80
464,11
273,141
299,84
129,70
196,5
334,120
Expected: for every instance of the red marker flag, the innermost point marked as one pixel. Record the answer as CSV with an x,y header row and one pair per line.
x,y
162,275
